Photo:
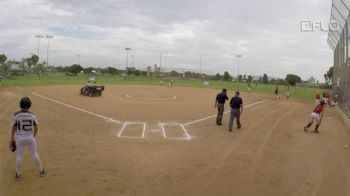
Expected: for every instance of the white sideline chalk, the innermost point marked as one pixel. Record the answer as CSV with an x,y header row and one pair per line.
x,y
73,107
213,116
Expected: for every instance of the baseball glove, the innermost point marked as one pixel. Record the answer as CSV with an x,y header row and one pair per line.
x,y
12,145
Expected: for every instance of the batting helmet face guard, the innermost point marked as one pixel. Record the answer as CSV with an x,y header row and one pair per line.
x,y
25,103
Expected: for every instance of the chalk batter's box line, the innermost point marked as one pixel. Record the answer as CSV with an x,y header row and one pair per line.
x,y
186,134
119,135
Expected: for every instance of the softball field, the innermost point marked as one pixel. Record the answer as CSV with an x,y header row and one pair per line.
x,y
150,140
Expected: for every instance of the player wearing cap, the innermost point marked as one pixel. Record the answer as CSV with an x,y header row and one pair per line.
x,y
24,131
317,116
220,104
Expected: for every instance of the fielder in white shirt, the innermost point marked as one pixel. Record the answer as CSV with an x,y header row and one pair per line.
x,y
24,130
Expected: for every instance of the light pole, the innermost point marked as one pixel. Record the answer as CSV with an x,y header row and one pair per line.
x,y
39,37
200,66
160,61
166,56
239,58
127,56
78,58
233,68
48,37
132,60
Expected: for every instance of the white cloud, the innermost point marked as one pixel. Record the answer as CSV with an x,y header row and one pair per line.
x,y
266,32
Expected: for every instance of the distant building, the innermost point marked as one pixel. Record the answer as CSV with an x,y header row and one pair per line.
x,y
17,68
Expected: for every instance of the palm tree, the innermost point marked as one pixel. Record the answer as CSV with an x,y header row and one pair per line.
x,y
155,70
34,60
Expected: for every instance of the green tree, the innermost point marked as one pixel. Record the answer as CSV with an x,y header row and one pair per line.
x,y
75,68
4,67
227,76
174,73
34,59
265,79
130,70
240,78
292,79
111,70
3,59
217,76
39,68
249,80
328,76
89,70
59,69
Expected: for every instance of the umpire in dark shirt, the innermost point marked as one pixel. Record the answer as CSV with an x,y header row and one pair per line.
x,y
220,104
236,104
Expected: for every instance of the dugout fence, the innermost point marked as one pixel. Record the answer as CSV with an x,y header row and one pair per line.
x,y
339,41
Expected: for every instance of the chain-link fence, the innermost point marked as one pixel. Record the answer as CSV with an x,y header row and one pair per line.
x,y
339,41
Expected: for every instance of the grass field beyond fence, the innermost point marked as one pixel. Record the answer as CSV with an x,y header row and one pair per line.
x,y
58,79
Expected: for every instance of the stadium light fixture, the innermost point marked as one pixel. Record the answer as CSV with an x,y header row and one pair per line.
x,y
39,37
48,37
239,58
127,56
78,58
132,60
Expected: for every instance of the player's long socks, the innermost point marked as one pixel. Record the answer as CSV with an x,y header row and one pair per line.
x,y
309,125
18,166
317,127
38,162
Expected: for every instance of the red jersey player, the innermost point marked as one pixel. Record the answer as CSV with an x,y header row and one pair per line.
x,y
317,116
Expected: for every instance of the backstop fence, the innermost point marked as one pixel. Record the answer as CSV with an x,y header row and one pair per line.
x,y
339,41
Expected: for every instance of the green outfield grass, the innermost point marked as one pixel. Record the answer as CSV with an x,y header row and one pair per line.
x,y
59,79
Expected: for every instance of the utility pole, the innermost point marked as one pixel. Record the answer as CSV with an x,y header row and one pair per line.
x,y
48,37
127,56
166,56
160,61
200,66
78,59
39,37
239,58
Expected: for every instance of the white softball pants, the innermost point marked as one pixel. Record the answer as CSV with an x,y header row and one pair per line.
x,y
21,142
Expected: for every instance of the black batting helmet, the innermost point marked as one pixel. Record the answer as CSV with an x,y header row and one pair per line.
x,y
25,103
322,102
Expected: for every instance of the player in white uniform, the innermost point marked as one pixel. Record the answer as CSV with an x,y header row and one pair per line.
x,y
24,130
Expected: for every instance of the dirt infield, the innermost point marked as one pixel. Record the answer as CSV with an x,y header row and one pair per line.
x,y
144,140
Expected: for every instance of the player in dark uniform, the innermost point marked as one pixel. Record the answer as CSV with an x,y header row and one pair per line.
x,y
236,104
220,104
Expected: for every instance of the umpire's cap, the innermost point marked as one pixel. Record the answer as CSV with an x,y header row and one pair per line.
x,y
224,90
25,103
237,92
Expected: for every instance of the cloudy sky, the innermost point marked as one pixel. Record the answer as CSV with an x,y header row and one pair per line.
x,y
266,32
